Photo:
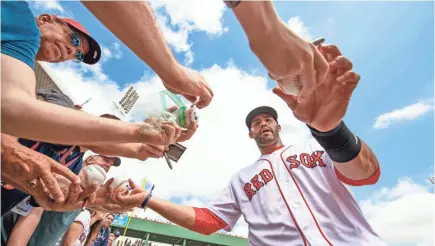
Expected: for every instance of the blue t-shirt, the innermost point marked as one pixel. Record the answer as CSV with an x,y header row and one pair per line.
x,y
102,237
52,226
20,34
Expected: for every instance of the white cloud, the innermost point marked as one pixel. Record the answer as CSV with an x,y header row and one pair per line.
x,y
297,25
182,18
407,113
110,52
403,214
200,15
178,39
48,5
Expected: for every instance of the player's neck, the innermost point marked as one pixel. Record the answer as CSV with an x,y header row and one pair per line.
x,y
265,150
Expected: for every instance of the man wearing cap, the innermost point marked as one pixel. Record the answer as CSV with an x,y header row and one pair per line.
x,y
61,39
294,194
25,38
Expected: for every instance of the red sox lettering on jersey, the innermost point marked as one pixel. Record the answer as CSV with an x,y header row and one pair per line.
x,y
293,196
307,160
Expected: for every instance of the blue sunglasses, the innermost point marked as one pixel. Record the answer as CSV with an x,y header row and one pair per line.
x,y
76,42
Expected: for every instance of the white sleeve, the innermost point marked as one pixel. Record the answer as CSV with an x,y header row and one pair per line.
x,y
226,207
84,218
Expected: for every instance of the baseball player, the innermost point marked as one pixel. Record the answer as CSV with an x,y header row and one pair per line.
x,y
294,194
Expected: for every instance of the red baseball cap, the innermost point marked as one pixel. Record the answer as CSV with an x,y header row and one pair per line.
x,y
94,54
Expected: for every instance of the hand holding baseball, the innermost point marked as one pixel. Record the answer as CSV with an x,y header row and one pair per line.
x,y
285,55
132,199
192,126
328,104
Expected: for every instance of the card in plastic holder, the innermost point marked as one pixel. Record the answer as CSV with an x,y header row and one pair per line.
x,y
176,151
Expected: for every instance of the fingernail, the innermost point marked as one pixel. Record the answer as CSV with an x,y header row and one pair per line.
x,y
340,78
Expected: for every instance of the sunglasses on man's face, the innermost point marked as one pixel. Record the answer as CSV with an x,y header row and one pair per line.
x,y
76,42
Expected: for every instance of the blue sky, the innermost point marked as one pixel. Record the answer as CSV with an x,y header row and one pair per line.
x,y
391,45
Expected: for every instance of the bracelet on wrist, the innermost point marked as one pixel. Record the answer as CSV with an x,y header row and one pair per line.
x,y
340,143
145,201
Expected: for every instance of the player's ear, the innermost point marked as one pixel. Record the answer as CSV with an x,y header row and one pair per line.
x,y
251,135
278,127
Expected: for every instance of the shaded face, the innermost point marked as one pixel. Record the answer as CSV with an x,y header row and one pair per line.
x,y
111,238
105,162
59,41
264,130
107,220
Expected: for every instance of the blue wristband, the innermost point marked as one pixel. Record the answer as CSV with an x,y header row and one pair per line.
x,y
144,203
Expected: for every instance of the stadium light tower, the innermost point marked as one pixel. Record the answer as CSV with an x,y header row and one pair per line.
x,y
127,101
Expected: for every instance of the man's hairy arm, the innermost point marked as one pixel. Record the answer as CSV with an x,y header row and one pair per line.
x,y
128,150
24,116
136,26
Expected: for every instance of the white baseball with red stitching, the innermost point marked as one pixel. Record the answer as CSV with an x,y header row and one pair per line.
x,y
94,174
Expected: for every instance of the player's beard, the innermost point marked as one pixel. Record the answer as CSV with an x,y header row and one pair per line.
x,y
267,140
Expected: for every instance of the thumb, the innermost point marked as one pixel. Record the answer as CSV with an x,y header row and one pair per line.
x,y
289,99
132,184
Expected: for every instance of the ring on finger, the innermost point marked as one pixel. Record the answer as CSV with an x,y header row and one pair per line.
x,y
32,183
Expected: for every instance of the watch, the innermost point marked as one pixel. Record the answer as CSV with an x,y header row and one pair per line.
x,y
231,4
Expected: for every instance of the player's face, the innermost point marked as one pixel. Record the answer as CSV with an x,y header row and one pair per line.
x,y
265,130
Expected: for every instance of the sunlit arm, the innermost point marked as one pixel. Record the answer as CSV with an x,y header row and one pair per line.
x,y
362,170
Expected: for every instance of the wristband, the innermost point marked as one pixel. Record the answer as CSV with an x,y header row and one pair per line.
x,y
231,4
144,203
340,143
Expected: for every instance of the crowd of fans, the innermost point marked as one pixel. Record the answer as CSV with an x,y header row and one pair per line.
x,y
46,199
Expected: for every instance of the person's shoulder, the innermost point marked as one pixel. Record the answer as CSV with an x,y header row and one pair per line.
x,y
20,34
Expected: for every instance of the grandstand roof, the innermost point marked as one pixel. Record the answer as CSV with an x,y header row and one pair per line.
x,y
173,234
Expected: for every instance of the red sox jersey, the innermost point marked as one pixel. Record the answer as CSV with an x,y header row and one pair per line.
x,y
295,196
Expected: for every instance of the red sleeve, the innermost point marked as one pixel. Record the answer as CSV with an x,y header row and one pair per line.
x,y
368,181
206,222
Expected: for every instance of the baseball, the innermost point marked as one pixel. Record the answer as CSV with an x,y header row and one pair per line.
x,y
119,182
293,88
94,174
64,184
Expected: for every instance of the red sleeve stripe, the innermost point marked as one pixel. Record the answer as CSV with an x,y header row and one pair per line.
x,y
368,181
206,222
